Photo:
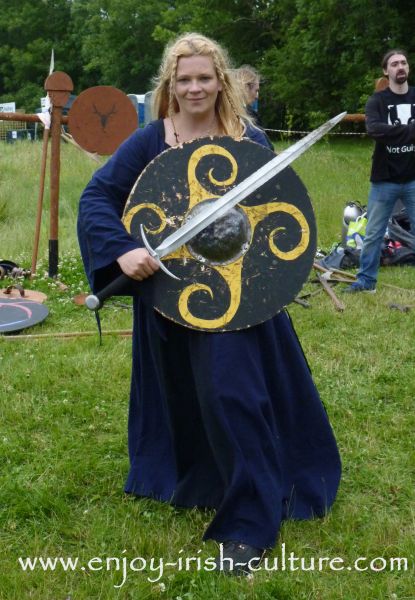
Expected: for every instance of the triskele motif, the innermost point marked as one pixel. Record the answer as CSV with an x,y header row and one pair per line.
x,y
232,272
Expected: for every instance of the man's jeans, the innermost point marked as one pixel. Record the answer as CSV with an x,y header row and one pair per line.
x,y
382,198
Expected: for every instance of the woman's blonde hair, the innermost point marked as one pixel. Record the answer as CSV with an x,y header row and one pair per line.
x,y
230,107
247,76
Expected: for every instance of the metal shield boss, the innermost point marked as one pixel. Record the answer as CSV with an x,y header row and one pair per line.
x,y
246,266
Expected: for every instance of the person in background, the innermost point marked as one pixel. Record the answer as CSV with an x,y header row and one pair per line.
x,y
249,80
390,121
230,421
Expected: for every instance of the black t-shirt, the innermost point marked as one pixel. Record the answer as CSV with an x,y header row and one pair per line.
x,y
390,121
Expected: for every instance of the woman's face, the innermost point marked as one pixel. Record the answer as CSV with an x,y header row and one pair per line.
x,y
252,90
197,86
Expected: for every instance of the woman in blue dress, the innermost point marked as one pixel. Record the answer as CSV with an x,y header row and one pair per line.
x,y
230,420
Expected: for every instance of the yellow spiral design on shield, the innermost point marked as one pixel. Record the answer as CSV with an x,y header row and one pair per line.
x,y
256,214
197,193
128,217
232,275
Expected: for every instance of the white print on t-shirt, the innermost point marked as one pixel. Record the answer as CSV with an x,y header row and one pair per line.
x,y
400,149
401,114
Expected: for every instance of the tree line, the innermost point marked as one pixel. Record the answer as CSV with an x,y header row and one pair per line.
x,y
316,57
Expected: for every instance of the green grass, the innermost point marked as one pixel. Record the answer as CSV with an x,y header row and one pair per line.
x,y
63,421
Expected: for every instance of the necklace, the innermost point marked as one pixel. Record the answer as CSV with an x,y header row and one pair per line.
x,y
205,133
176,135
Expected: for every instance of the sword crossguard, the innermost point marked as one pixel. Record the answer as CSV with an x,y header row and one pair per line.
x,y
154,254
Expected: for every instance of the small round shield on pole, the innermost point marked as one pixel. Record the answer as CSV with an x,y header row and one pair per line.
x,y
247,265
101,118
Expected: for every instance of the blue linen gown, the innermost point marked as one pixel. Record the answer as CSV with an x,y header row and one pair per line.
x,y
231,420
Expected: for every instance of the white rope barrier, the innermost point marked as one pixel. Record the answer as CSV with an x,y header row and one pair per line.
x,y
294,132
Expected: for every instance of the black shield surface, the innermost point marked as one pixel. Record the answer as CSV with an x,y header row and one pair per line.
x,y
244,270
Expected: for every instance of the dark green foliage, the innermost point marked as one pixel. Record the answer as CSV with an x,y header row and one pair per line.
x,y
28,33
317,57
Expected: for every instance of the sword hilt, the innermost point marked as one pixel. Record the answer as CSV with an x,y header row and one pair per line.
x,y
154,254
122,283
115,288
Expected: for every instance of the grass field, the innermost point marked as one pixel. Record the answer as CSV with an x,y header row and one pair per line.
x,y
63,422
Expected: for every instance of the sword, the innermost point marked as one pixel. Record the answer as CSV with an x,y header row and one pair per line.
x,y
217,209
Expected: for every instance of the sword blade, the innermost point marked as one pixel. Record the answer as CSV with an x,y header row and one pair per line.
x,y
246,187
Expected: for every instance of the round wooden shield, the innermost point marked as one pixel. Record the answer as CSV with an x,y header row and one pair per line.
x,y
245,267
101,118
17,314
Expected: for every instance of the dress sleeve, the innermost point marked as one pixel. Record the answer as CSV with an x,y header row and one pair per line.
x,y
101,233
382,132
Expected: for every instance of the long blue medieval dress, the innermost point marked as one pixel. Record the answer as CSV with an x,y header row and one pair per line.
x,y
231,420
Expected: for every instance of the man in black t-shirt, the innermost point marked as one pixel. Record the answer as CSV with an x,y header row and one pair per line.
x,y
390,121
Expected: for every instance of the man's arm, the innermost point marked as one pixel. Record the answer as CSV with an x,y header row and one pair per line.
x,y
383,132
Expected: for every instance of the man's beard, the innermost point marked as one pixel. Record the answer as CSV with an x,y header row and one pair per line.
x,y
401,78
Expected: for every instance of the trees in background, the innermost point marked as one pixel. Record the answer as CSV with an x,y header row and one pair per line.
x,y
328,54
116,41
317,57
29,29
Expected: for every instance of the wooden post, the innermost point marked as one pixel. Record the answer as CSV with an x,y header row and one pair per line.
x,y
58,86
40,199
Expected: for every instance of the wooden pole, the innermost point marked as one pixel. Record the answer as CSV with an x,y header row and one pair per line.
x,y
338,304
68,138
58,85
66,334
40,199
25,118
55,134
